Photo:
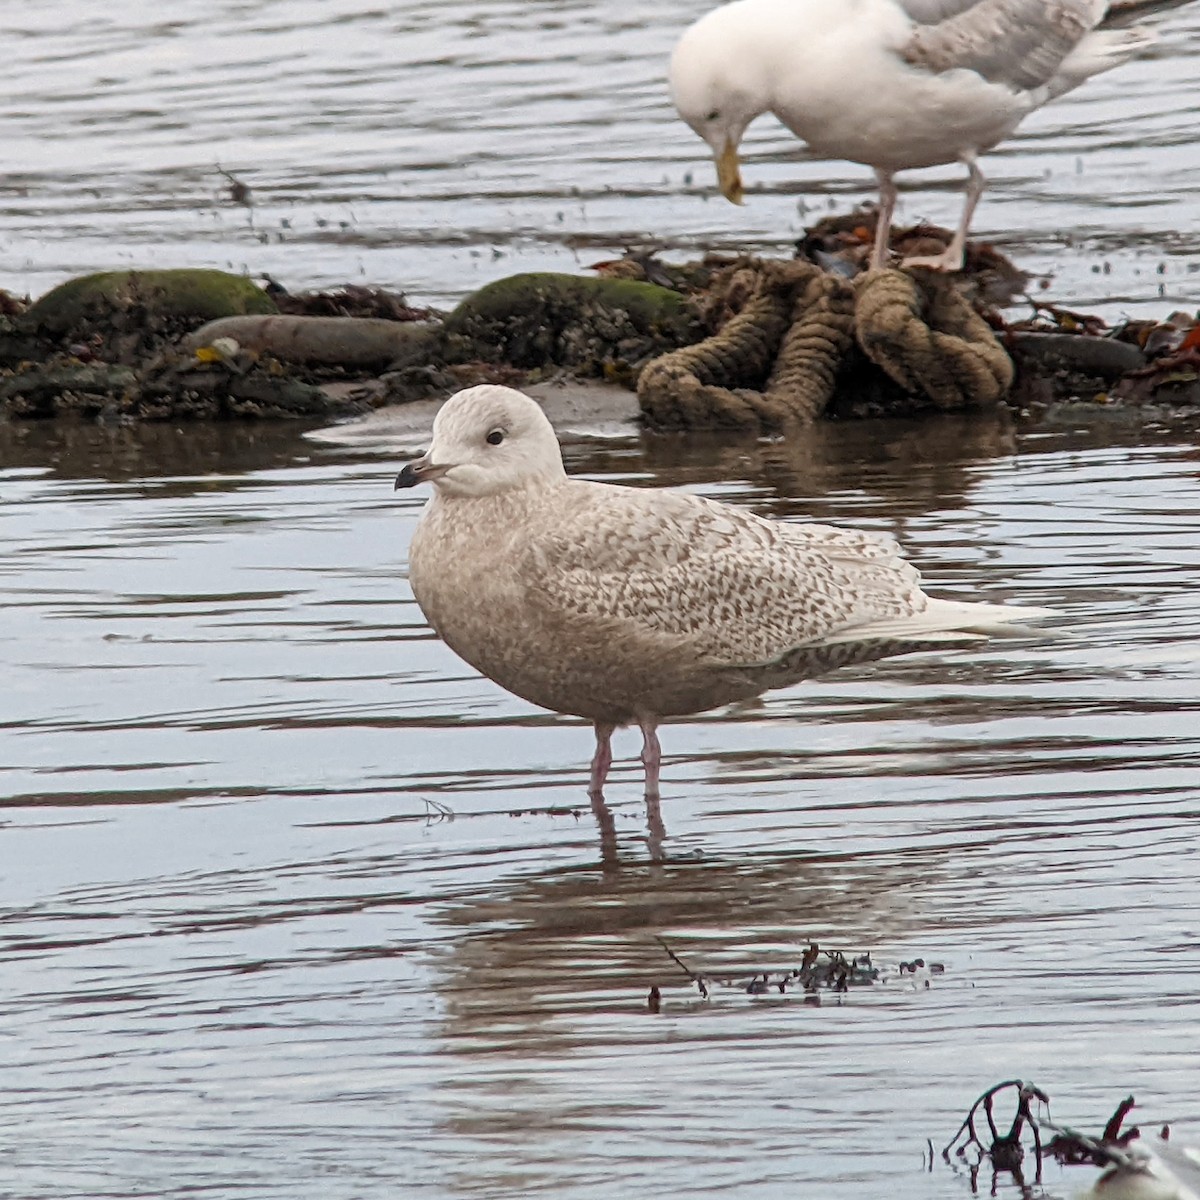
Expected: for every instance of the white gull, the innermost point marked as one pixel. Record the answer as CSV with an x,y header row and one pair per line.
x,y
893,84
627,605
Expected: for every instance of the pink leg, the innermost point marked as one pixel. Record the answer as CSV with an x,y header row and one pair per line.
x,y
651,756
952,258
601,760
883,228
655,829
608,830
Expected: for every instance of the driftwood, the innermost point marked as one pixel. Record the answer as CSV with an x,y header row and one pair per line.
x,y
350,342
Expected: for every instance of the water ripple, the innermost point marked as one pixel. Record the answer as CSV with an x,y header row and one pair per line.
x,y
294,905
436,146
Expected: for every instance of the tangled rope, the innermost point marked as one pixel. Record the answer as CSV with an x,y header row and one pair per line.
x,y
920,330
774,364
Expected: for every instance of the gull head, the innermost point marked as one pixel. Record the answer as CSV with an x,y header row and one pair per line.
x,y
487,440
718,87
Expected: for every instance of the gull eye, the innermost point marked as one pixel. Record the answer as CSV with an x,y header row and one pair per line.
x,y
495,437
715,115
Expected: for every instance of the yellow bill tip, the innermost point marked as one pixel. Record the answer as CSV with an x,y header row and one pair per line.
x,y
729,174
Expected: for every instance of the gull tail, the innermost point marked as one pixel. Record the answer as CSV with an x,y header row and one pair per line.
x,y
952,621
1100,52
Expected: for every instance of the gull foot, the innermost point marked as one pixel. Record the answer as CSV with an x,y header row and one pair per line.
x,y
948,262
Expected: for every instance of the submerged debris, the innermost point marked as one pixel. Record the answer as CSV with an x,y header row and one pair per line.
x,y
1004,1150
818,971
1114,1148
552,810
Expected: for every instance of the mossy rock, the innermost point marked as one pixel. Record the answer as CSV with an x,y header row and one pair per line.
x,y
605,327
186,296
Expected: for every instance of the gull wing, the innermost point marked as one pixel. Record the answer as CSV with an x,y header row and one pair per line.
x,y
1018,43
1119,12
729,587
932,12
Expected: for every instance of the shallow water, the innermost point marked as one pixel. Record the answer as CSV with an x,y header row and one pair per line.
x,y
435,146
293,904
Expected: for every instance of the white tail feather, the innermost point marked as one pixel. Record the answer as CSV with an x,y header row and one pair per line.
x,y
1100,52
949,621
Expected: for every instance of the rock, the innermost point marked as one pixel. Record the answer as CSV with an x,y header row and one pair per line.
x,y
186,292
576,408
54,389
352,342
601,327
177,391
1096,357
127,314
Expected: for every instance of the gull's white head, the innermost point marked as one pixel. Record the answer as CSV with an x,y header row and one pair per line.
x,y
487,440
718,84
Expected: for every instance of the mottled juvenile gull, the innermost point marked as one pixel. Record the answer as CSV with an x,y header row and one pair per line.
x,y
626,605
893,84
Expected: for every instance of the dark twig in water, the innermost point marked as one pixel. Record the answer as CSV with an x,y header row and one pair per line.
x,y
698,980
1067,1147
435,810
819,969
1005,1150
1070,1147
239,191
1112,1131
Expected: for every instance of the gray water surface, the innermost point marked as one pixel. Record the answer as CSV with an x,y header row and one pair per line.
x,y
433,146
293,904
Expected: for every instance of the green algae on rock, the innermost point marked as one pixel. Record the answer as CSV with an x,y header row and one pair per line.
x,y
603,327
187,294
